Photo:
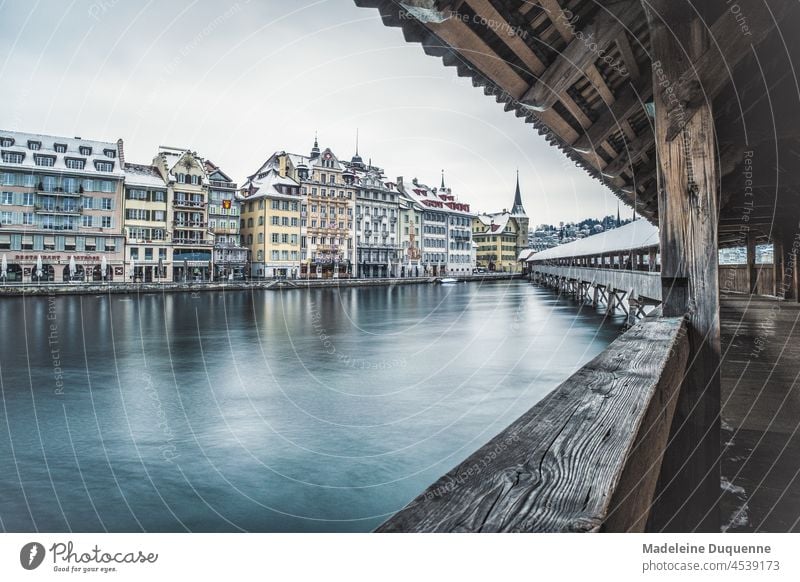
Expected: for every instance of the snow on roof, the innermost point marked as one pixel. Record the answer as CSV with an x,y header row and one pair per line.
x,y
638,234
494,222
143,175
47,146
269,185
524,254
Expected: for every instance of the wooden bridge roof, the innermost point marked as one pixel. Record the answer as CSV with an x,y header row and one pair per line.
x,y
580,72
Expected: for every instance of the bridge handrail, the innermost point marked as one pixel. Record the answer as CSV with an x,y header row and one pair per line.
x,y
584,459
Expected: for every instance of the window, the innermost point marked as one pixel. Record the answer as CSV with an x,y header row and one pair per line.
x,y
106,204
85,150
148,254
7,198
134,253
60,147
195,180
87,220
284,238
159,196
106,222
274,237
34,145
106,186
47,161
110,153
5,217
6,142
261,237
27,218
261,221
13,158
104,166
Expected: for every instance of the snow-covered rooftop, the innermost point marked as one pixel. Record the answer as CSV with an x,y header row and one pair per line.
x,y
638,234
143,175
93,151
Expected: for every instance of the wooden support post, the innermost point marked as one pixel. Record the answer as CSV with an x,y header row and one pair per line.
x,y
777,269
752,273
688,209
651,258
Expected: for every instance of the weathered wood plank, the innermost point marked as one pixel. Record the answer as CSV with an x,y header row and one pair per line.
x,y
688,210
559,465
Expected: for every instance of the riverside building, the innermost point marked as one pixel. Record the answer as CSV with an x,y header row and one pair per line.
x,y
60,208
230,256
500,237
377,211
187,213
270,221
147,251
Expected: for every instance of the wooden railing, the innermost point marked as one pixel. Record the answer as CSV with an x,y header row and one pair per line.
x,y
584,459
736,278
643,283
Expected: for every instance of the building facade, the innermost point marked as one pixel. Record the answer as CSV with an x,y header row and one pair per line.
x,y
328,190
192,243
270,221
377,212
500,237
61,208
410,225
230,256
147,250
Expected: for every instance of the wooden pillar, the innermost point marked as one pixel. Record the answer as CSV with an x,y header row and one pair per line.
x,y
651,258
780,289
688,208
752,273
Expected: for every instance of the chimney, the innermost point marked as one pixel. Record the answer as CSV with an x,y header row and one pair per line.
x,y
120,147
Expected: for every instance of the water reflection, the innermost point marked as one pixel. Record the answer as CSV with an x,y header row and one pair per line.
x,y
317,410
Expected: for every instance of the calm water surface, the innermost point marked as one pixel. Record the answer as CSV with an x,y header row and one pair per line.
x,y
307,410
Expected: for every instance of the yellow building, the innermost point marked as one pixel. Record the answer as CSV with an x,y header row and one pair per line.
x,y
496,236
270,222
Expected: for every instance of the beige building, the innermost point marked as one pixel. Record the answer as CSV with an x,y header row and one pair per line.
x,y
270,221
60,208
147,250
187,213
327,248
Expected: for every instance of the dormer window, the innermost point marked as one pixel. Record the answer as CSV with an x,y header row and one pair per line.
x,y
60,147
75,163
13,157
85,150
6,142
48,161
34,145
104,166
110,153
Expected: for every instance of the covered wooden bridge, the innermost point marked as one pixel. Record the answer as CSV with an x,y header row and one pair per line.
x,y
689,113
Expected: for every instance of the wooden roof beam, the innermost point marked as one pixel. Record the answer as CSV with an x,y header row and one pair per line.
x,y
580,54
632,152
709,74
629,102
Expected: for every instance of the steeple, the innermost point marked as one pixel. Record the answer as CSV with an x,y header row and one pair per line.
x,y
356,158
442,178
315,150
619,220
518,209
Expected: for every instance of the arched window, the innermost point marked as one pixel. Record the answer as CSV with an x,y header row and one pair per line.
x,y
260,237
260,221
250,239
250,223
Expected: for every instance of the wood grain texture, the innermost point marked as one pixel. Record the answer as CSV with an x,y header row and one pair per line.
x,y
558,466
688,210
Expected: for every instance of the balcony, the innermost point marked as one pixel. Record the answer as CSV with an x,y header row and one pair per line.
x,y
221,184
183,203
189,224
56,209
220,230
190,241
328,248
57,192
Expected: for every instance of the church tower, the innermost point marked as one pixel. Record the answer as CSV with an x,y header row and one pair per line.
x,y
518,213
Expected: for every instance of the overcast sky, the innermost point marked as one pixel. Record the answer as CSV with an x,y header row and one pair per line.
x,y
236,81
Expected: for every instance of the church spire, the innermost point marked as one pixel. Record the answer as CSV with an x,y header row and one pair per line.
x,y
442,178
619,220
518,209
356,159
315,150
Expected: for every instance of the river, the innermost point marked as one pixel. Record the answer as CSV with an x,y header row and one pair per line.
x,y
303,410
